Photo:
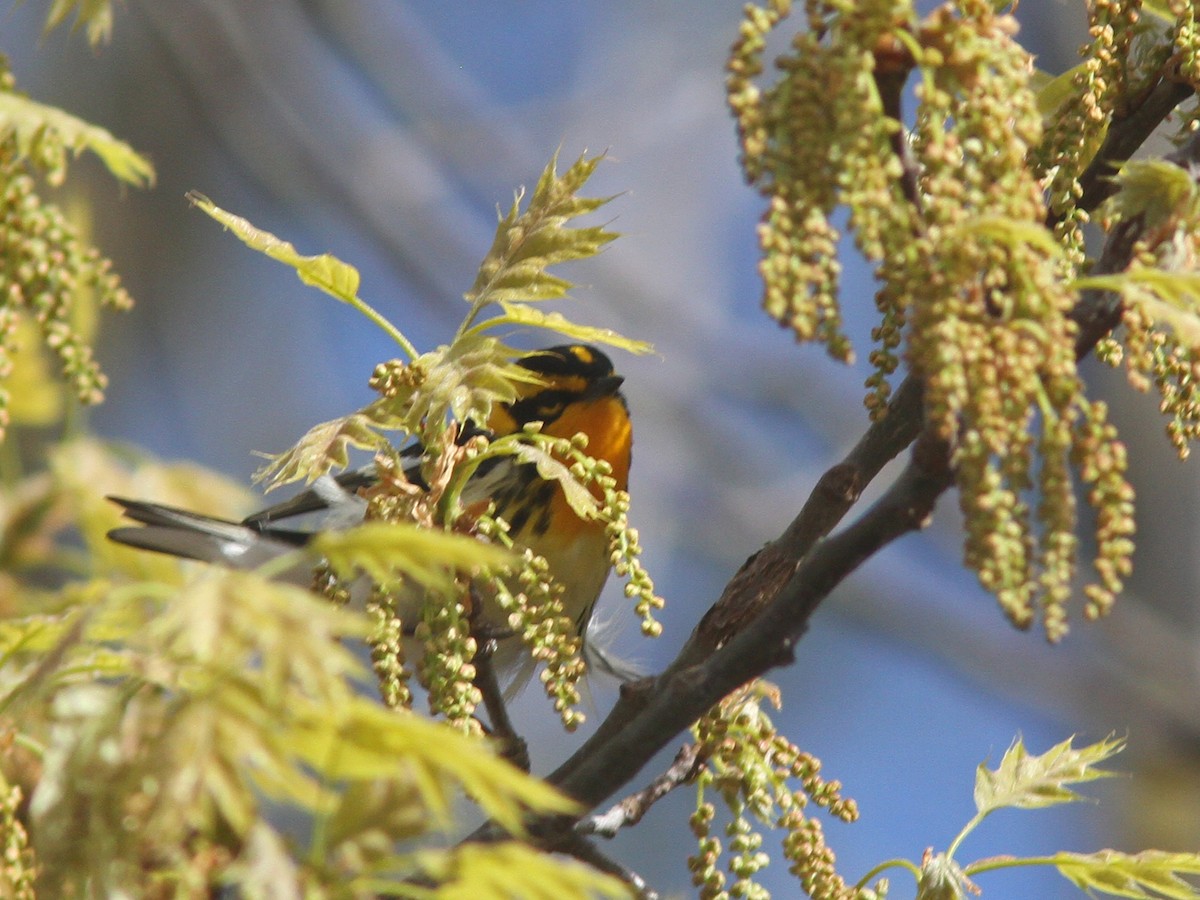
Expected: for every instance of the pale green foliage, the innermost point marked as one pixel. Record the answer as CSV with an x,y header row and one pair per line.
x,y
1162,192
324,271
462,380
1171,300
95,16
168,719
529,241
522,315
325,446
506,870
943,879
45,134
551,469
1022,781
1025,781
386,551
1152,875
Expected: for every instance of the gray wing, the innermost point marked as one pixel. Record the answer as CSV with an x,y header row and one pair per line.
x,y
329,491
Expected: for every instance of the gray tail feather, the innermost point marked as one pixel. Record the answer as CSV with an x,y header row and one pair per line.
x,y
177,532
171,517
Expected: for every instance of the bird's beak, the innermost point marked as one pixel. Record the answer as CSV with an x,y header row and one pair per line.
x,y
607,386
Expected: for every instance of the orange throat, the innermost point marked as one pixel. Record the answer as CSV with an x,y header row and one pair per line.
x,y
610,437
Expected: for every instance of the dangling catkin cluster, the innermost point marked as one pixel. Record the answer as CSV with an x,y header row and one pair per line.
x,y
531,598
1079,122
532,601
991,335
1159,342
799,264
975,291
45,270
752,768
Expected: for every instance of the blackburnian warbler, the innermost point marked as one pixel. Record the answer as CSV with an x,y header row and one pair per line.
x,y
576,392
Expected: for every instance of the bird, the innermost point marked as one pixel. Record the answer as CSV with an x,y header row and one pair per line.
x,y
575,390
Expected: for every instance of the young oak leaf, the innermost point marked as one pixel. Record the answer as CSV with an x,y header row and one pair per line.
x,y
525,316
324,447
512,869
387,550
96,16
1169,299
365,741
324,271
527,243
38,128
1151,875
550,469
1022,781
1155,188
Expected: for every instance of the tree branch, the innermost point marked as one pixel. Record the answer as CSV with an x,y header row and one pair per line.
x,y
1126,133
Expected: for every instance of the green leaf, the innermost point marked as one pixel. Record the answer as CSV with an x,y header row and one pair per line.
x,y
529,242
1151,875
1054,90
551,469
363,741
325,447
462,381
95,15
525,316
1160,9
325,271
39,128
1022,781
511,869
386,551
1155,188
943,879
1170,299
1179,289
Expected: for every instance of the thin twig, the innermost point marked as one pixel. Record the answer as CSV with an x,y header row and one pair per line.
x,y
514,748
683,770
